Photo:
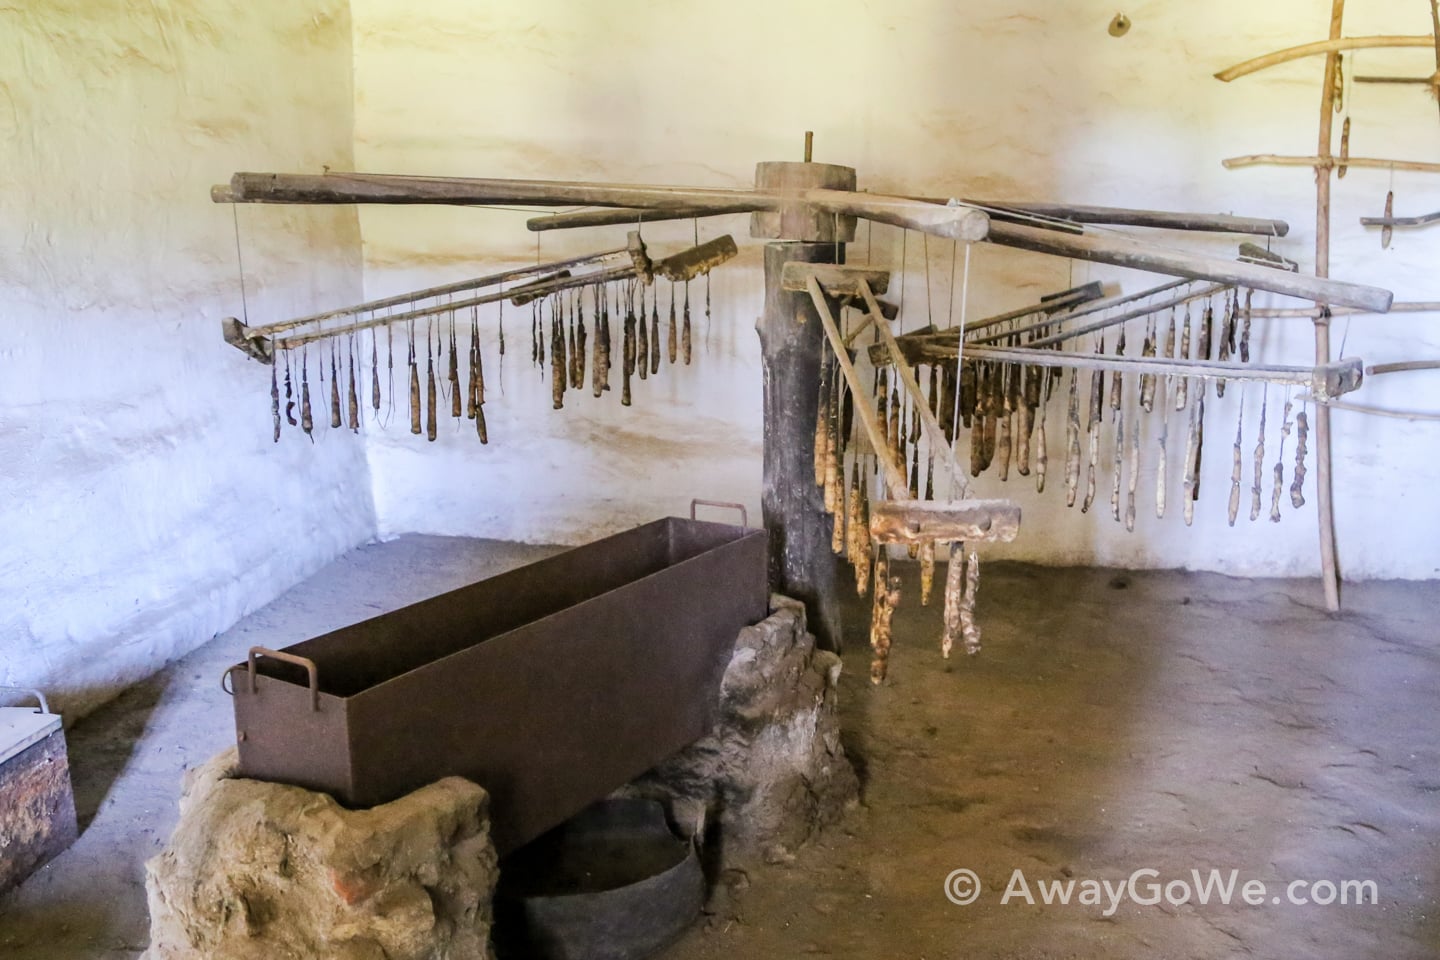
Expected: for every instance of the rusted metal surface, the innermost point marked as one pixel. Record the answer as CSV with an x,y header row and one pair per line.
x,y
549,685
37,806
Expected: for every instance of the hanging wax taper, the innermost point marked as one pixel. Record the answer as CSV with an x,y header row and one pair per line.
x,y
1193,444
1134,475
431,425
581,336
655,330
1255,489
1072,440
557,355
1116,379
1237,468
502,343
540,335
833,494
859,528
1280,464
1029,400
1227,341
969,394
1119,461
453,373
1245,330
642,341
289,393
954,597
627,353
481,430
353,398
414,385
968,627
570,343
1302,432
1147,380
1161,466
334,389
534,336
275,398
822,410
685,332
471,397
672,334
1002,420
1092,426
307,423
375,372
597,385
887,590
1182,387
927,571
1042,452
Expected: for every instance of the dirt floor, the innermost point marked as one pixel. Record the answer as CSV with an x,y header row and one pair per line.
x,y
1115,722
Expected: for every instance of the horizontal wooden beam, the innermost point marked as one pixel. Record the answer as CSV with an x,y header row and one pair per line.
x,y
1125,217
689,264
968,521
835,279
1327,163
611,216
1325,381
1321,47
1122,252
953,222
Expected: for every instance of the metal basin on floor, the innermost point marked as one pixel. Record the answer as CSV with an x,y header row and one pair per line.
x,y
613,883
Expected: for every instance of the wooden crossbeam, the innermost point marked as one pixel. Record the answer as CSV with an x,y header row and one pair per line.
x,y
967,521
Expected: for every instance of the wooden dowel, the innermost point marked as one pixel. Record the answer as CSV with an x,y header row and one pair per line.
x,y
531,291
1330,47
1126,253
1326,163
1326,380
894,474
1399,306
1157,219
1199,293
440,291
612,215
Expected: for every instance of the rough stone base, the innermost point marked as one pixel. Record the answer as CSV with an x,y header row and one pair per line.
x,y
260,870
772,772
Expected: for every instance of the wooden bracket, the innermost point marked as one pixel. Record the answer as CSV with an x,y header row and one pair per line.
x,y
253,345
835,280
689,264
968,521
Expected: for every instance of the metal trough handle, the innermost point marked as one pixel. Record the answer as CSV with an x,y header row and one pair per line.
x,y
744,517
44,707
309,666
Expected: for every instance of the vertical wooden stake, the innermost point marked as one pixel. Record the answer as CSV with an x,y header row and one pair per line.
x,y
792,345
1324,505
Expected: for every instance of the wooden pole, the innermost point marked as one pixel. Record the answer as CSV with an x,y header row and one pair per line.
x,y
792,345
1123,252
1324,504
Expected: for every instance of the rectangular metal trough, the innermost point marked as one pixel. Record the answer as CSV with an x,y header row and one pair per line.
x,y
549,685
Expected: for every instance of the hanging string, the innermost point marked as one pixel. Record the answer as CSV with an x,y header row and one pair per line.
x,y
955,473
240,263
929,300
904,239
954,251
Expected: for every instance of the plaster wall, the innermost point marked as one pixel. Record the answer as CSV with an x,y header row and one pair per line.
x,y
144,508
990,98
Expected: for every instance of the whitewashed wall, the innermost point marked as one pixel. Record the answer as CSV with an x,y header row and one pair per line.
x,y
144,508
993,98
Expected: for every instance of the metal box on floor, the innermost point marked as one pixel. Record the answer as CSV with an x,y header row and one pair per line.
x,y
37,804
549,685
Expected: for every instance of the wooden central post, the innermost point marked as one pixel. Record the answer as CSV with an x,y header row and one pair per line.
x,y
792,344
